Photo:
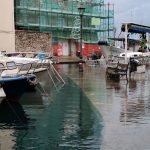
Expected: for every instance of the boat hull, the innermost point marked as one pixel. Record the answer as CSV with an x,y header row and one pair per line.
x,y
14,87
2,94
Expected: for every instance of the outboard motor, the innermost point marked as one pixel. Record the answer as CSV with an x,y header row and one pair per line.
x,y
133,64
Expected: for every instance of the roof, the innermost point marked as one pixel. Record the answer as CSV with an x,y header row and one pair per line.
x,y
123,39
136,28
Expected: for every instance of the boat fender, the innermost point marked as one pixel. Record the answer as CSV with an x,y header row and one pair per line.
x,y
32,82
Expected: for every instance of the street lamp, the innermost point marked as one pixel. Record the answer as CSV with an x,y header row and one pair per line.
x,y
81,10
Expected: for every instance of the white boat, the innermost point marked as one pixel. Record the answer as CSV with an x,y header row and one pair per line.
x,y
30,65
12,83
37,64
25,60
34,65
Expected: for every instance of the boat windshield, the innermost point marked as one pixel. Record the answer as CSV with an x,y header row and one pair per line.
x,y
11,65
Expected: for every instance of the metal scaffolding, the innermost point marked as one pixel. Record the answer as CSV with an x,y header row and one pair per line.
x,y
61,18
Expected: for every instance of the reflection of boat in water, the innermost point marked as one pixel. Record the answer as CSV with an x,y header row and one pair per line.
x,y
12,115
12,118
34,97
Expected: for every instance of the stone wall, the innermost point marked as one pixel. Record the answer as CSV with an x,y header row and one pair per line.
x,y
32,41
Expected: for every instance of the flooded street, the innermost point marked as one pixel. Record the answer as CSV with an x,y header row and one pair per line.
x,y
124,108
88,113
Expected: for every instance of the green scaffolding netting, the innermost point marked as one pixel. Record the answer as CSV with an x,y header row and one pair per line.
x,y
61,18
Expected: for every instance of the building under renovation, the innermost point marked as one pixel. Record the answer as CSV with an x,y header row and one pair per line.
x,y
59,23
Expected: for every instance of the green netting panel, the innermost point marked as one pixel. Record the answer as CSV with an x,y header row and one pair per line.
x,y
61,17
55,40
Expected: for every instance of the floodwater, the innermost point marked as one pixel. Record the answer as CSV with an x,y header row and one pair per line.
x,y
88,113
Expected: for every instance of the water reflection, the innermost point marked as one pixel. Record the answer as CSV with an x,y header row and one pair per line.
x,y
12,118
69,122
132,84
135,108
112,84
88,113
33,98
12,115
124,107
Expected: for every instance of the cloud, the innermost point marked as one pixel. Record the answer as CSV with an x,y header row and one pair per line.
x,y
131,11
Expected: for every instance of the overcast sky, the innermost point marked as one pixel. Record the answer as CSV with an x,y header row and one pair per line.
x,y
137,11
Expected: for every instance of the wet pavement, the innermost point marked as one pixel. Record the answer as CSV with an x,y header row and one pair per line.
x,y
88,113
124,107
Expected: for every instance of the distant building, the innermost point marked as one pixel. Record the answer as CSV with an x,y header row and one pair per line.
x,y
60,19
7,29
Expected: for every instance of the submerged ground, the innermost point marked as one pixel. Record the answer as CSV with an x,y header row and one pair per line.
x,y
88,113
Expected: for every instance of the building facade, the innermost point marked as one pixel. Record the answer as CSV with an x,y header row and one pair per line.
x,y
61,19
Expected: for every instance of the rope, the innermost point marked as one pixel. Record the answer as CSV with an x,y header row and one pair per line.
x,y
43,90
14,111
